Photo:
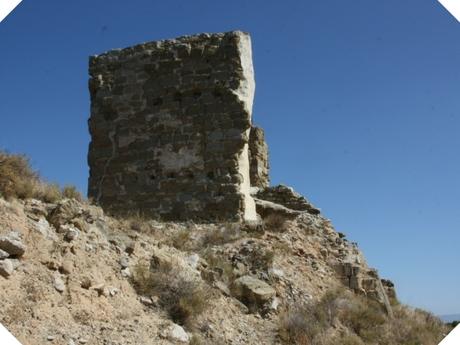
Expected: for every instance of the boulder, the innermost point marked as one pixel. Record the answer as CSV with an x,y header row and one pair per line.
x,y
252,291
6,268
266,208
58,284
3,254
177,333
65,211
193,260
124,262
12,244
71,234
287,197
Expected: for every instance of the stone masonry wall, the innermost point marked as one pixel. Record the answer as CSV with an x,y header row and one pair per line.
x,y
258,158
170,123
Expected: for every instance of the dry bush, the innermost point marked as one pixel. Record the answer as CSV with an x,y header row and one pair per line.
x,y
413,327
364,317
181,239
137,221
229,232
50,193
302,325
221,265
260,259
275,223
309,323
345,339
282,248
181,295
196,340
71,192
365,320
17,179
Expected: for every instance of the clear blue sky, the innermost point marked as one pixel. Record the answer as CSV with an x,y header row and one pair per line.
x,y
359,100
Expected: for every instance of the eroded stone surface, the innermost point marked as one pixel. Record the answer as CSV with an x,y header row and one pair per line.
x,y
252,290
258,158
287,197
170,124
12,244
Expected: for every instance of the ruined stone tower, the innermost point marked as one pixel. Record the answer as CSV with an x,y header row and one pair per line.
x,y
170,126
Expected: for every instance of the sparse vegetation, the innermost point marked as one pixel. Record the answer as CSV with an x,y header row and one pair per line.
x,y
181,239
453,324
19,180
137,221
365,321
221,266
365,318
275,223
300,325
71,192
196,340
261,259
49,192
181,295
229,232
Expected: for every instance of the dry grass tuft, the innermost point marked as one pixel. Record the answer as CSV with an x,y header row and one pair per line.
x,y
261,259
275,223
364,321
181,239
71,192
181,295
137,221
221,266
19,180
229,232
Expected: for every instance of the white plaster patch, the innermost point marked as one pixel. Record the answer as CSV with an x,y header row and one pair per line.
x,y
184,158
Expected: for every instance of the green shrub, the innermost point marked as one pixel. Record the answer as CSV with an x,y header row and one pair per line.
x,y
453,324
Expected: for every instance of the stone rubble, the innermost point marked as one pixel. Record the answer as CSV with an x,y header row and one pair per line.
x,y
12,244
90,277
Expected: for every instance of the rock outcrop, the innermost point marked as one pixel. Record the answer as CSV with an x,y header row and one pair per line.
x,y
86,289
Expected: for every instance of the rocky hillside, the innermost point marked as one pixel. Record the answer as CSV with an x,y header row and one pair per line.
x,y
71,274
